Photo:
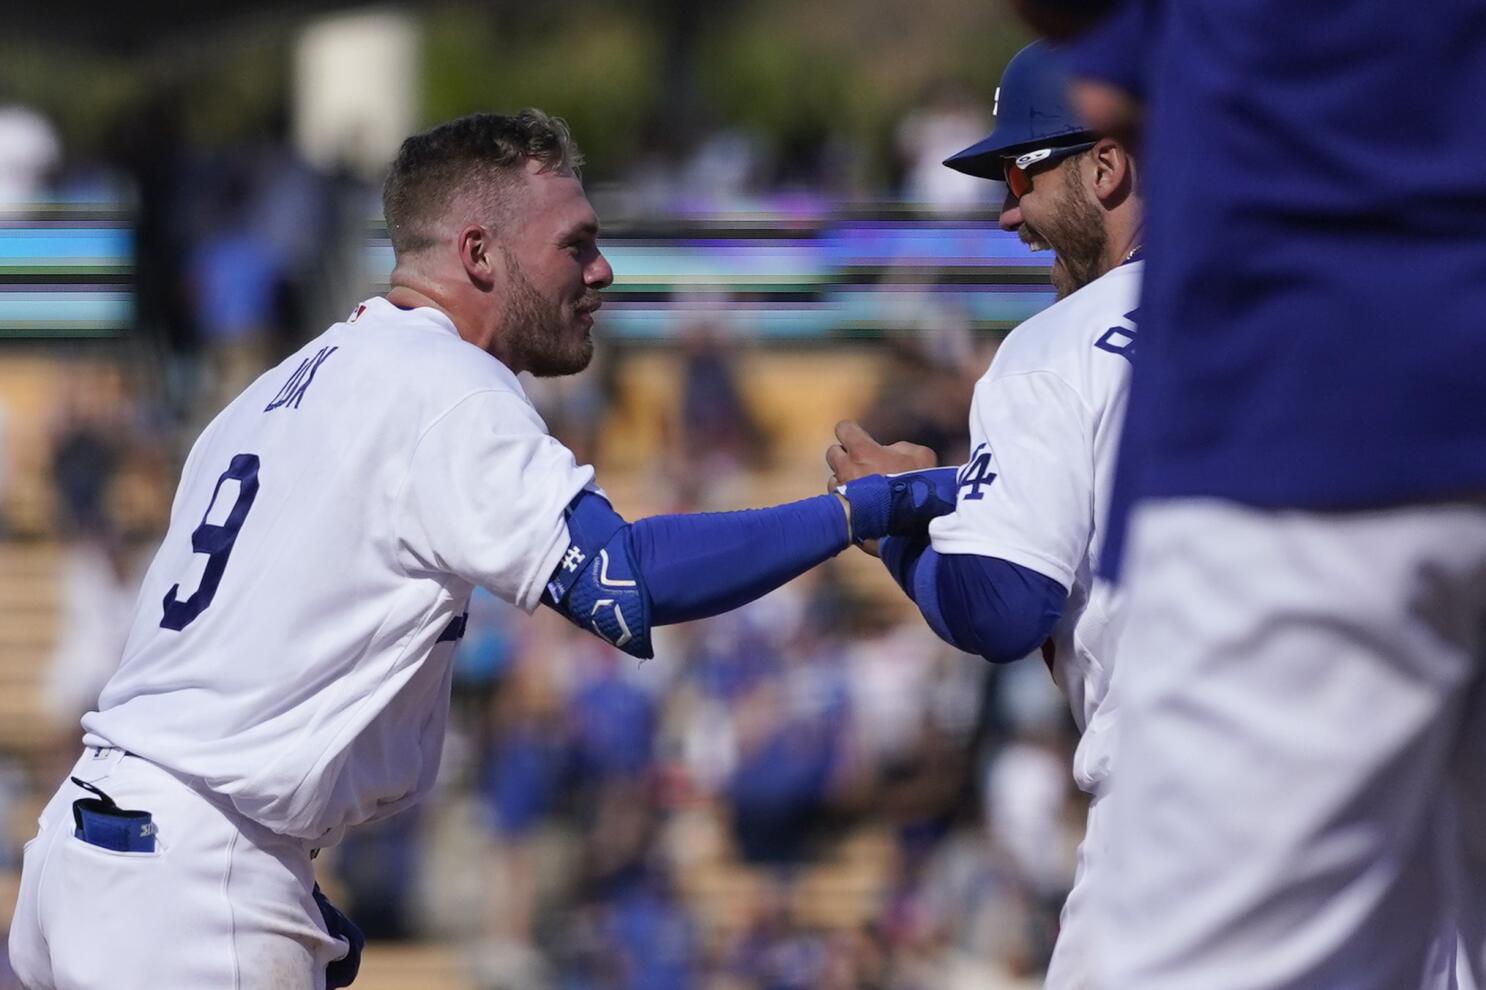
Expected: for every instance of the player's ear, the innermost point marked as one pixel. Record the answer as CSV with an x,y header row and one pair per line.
x,y
1113,172
477,253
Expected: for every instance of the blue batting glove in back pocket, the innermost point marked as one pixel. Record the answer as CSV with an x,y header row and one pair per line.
x,y
100,822
342,972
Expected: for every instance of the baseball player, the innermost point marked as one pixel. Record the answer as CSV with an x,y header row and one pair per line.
x,y
1014,565
288,670
1304,488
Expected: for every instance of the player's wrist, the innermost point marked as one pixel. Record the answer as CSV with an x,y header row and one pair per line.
x,y
897,504
840,494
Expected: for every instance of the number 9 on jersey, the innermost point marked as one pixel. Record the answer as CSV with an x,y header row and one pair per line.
x,y
216,541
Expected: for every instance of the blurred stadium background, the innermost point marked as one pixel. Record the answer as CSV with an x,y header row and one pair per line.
x,y
810,794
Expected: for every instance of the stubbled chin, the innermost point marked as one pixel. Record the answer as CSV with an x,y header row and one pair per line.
x,y
1062,281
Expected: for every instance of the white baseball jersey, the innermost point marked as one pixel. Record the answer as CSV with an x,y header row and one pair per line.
x,y
1044,431
291,647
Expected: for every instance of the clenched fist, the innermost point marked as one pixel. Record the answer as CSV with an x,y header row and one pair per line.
x,y
856,455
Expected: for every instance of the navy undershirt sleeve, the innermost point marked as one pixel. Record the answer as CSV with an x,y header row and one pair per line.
x,y
983,605
705,563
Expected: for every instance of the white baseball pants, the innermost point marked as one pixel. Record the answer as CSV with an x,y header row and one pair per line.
x,y
1302,703
1075,958
221,902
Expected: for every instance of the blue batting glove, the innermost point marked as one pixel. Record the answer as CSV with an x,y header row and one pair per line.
x,y
899,504
342,972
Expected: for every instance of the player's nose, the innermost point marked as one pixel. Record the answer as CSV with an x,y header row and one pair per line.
x,y
598,274
1011,213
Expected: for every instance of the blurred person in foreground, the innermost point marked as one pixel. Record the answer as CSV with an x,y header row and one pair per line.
x,y
287,674
1305,488
1013,568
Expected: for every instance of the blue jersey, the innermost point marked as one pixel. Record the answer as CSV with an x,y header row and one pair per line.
x,y
1312,323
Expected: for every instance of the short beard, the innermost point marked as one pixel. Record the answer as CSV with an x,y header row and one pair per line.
x,y
1075,231
536,334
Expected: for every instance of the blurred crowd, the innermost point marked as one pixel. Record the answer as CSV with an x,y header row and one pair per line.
x,y
732,169
238,246
800,795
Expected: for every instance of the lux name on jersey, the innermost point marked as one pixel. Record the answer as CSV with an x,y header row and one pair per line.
x,y
292,392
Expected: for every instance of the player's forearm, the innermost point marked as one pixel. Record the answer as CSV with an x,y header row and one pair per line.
x,y
705,563
618,579
982,605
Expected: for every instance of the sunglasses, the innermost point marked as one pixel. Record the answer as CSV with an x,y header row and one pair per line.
x,y
1019,181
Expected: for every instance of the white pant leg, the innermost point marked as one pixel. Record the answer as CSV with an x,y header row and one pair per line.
x,y
1465,978
1469,863
1073,963
221,903
1292,687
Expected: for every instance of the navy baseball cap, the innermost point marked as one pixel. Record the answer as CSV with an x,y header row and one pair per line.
x,y
1032,108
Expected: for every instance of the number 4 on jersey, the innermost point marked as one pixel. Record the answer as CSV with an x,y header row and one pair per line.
x,y
976,474
216,542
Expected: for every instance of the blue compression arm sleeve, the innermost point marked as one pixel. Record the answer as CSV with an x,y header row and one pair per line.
x,y
619,579
984,605
704,563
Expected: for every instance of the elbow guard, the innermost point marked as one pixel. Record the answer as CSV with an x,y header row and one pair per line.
x,y
596,585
